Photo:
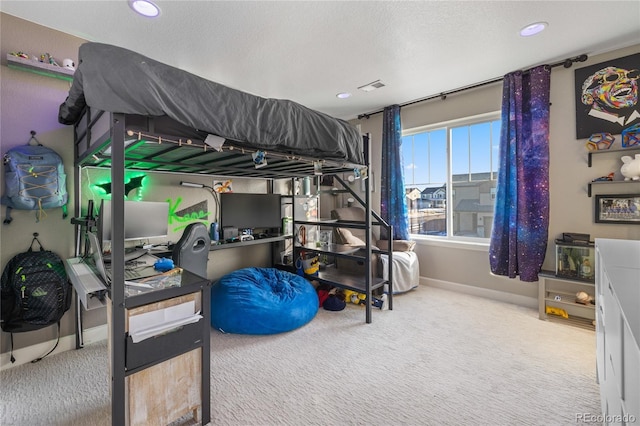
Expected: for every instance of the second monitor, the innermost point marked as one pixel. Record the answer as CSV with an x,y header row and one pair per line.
x,y
250,211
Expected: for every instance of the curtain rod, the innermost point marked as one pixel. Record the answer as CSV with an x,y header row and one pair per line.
x,y
567,63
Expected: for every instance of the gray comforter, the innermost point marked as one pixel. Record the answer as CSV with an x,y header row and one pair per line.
x,y
114,79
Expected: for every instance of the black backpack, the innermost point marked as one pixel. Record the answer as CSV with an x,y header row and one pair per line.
x,y
35,292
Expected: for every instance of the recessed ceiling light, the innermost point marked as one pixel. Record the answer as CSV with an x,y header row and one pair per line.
x,y
145,8
343,95
533,29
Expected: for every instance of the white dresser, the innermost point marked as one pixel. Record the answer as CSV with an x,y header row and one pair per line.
x,y
618,329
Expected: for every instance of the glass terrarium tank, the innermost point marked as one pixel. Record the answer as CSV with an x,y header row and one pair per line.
x,y
575,261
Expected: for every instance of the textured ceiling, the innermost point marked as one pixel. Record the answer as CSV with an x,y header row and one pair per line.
x,y
310,51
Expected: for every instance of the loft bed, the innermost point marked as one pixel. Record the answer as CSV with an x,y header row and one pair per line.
x,y
166,104
130,112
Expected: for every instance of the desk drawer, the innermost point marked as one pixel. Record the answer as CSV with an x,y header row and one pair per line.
x,y
631,374
160,348
163,346
611,395
613,338
600,348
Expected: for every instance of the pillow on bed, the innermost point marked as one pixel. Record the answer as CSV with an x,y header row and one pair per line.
x,y
345,236
262,301
397,245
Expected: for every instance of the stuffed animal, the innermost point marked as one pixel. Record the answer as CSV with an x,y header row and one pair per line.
x,y
354,297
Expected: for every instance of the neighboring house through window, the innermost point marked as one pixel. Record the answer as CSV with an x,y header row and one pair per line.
x,y
461,155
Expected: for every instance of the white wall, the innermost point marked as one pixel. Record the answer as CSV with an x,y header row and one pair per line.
x,y
571,208
30,102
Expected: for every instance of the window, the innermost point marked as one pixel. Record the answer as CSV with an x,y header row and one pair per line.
x,y
463,156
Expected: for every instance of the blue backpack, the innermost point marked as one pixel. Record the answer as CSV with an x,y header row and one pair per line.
x,y
34,180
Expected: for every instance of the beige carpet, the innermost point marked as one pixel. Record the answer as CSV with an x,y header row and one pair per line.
x,y
439,358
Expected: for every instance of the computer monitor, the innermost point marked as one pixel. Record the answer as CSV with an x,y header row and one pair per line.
x,y
254,211
142,220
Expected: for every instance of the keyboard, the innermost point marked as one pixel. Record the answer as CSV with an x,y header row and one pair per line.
x,y
131,274
128,255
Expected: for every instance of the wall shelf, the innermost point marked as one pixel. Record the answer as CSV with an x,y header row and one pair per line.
x,y
609,182
560,292
266,240
40,68
606,151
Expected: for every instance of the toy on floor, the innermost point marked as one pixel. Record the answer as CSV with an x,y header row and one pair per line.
x,y
381,303
336,299
330,298
334,303
354,297
360,299
557,311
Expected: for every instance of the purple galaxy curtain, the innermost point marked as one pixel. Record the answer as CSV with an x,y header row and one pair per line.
x,y
393,203
521,216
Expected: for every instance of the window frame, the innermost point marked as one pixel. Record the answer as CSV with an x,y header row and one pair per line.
x,y
448,126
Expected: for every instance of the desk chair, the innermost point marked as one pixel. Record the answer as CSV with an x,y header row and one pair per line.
x,y
191,252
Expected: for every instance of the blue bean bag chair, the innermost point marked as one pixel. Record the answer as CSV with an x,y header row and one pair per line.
x,y
262,301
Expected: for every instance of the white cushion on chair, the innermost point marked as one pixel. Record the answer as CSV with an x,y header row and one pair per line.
x,y
406,270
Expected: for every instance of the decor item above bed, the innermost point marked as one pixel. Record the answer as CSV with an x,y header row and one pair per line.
x,y
262,301
110,78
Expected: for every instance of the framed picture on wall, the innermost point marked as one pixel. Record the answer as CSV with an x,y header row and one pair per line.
x,y
606,97
618,208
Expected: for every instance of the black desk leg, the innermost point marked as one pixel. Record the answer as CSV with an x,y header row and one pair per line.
x,y
79,335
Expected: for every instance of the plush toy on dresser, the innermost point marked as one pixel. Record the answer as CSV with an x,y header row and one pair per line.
x,y
631,167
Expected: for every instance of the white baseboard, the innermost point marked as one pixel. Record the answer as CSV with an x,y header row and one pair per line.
x,y
27,354
526,301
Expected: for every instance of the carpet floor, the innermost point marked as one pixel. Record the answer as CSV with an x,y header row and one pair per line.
x,y
439,358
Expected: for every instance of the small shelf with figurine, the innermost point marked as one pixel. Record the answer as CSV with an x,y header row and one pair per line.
x,y
634,148
566,299
608,182
34,65
601,143
580,299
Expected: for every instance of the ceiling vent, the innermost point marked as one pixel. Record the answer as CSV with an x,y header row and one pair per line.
x,y
371,86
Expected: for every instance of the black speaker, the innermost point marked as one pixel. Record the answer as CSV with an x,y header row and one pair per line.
x,y
229,232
